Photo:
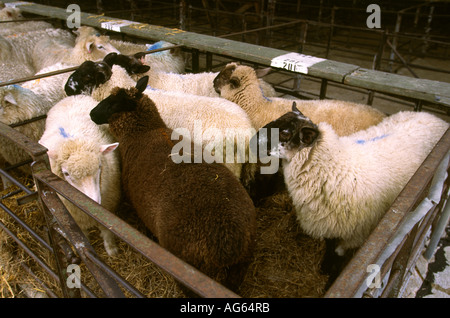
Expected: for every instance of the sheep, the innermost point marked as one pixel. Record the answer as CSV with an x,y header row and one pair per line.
x,y
51,87
14,64
239,84
10,14
199,212
25,42
179,110
341,186
169,61
192,83
15,14
82,153
18,104
89,45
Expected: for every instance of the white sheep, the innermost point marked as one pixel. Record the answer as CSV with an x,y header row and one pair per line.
x,y
88,46
239,84
10,14
192,83
201,116
81,153
26,41
169,61
50,87
18,104
341,186
14,64
15,14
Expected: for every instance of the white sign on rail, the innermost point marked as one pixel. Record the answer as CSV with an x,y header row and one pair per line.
x,y
295,62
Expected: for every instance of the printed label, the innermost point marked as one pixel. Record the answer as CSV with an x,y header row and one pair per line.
x,y
116,25
295,62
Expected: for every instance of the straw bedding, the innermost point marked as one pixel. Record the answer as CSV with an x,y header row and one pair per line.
x,y
286,262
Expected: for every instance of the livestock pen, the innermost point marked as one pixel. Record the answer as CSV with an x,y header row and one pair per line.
x,y
380,268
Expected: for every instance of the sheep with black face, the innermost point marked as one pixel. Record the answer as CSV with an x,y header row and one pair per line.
x,y
341,186
199,212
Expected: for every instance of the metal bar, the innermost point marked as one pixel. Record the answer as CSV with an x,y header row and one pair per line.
x,y
23,224
60,258
28,251
78,240
401,58
27,20
28,121
323,89
48,291
114,275
15,182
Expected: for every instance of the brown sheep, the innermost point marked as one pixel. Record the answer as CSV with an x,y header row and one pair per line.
x,y
199,212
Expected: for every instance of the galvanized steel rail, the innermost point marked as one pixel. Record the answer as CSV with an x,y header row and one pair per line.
x,y
421,89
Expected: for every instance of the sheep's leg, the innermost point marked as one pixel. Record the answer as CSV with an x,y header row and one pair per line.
x,y
109,241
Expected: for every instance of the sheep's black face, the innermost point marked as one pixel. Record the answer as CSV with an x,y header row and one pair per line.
x,y
224,77
132,64
291,132
88,76
119,101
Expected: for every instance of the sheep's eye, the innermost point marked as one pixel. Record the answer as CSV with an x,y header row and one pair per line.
x,y
285,134
100,47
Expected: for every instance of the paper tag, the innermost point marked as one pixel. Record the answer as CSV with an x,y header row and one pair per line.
x,y
15,4
295,62
116,25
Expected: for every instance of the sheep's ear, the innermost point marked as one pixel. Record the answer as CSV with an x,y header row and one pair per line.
x,y
296,110
90,46
141,84
308,135
10,98
261,72
105,149
235,82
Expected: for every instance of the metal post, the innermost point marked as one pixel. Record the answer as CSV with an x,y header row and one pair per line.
x,y
183,15
323,88
195,61
330,34
427,31
395,41
270,17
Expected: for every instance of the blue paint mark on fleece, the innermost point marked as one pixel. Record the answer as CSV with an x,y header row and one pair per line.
x,y
362,142
156,46
265,97
63,133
